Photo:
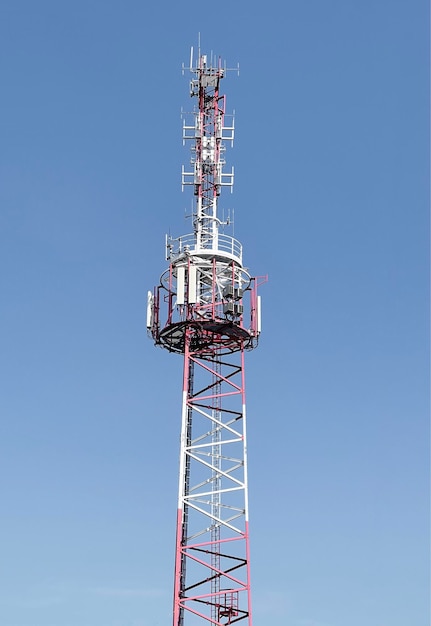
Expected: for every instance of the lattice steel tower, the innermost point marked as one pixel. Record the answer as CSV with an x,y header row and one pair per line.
x,y
206,308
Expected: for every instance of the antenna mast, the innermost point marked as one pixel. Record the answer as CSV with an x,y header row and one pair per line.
x,y
206,308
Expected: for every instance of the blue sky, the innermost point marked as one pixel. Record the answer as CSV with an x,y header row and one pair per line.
x,y
331,200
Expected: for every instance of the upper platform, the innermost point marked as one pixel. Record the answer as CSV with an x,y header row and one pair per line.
x,y
220,247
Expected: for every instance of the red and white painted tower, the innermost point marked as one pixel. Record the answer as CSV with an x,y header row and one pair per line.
x,y
206,308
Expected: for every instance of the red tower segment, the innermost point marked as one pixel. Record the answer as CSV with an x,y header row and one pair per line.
x,y
206,308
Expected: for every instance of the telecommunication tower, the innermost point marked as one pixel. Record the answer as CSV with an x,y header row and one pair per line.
x,y
207,309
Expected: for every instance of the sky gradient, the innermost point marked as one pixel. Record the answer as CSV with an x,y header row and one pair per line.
x,y
331,200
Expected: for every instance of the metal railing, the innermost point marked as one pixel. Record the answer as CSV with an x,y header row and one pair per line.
x,y
225,246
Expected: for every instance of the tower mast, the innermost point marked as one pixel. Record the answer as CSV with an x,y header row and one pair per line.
x,y
206,308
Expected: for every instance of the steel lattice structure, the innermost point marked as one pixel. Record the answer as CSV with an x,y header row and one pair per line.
x,y
206,308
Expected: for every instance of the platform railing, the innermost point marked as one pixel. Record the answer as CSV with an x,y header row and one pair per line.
x,y
226,246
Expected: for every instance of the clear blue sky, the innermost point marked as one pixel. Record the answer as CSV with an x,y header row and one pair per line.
x,y
331,200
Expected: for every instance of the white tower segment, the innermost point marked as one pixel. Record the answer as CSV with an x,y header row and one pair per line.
x,y
207,132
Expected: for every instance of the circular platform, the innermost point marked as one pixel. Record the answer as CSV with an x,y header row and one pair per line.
x,y
206,336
